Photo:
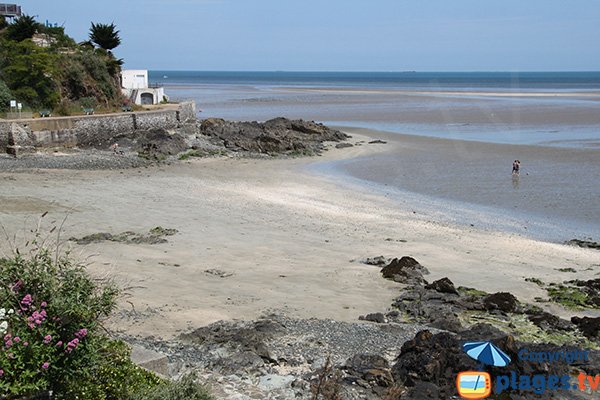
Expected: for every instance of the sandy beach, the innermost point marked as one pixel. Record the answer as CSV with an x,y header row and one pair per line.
x,y
277,237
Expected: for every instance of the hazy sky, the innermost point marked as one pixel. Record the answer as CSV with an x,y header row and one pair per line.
x,y
341,35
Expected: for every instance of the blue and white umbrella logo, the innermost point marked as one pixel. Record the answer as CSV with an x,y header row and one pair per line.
x,y
486,353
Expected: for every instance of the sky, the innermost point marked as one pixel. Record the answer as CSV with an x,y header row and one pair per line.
x,y
341,35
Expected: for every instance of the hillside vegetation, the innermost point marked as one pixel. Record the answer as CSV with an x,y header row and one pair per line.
x,y
44,68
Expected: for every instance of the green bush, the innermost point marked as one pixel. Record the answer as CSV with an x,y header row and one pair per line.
x,y
88,102
51,336
185,389
5,97
30,72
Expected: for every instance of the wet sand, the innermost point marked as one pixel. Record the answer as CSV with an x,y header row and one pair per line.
x,y
555,197
286,234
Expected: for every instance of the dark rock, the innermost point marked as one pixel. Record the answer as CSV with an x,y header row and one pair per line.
x,y
503,301
405,270
422,391
378,261
547,321
343,145
377,141
443,285
252,338
373,369
276,136
589,326
446,321
157,144
584,243
154,236
433,361
375,317
246,361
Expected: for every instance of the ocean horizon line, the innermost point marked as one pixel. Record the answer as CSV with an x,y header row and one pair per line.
x,y
382,72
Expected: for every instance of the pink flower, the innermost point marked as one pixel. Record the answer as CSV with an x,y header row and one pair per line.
x,y
27,300
47,339
9,343
31,325
7,336
1,372
25,344
81,333
72,345
17,339
45,365
59,343
44,304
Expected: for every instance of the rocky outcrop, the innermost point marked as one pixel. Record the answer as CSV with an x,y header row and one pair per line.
x,y
588,244
434,360
157,144
276,136
405,270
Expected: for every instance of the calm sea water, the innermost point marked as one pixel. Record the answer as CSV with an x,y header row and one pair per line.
x,y
559,109
391,80
555,112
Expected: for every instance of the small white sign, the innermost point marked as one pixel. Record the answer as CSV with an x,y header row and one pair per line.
x,y
13,103
20,106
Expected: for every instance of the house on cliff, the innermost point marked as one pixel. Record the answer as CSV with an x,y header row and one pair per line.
x,y
134,84
10,10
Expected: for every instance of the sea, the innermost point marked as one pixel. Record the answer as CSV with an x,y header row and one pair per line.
x,y
478,123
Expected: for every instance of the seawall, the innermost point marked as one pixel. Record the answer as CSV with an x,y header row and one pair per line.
x,y
92,130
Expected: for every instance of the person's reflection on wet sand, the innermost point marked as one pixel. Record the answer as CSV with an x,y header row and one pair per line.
x,y
515,181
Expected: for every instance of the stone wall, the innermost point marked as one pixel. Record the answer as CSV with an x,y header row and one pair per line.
x,y
4,132
97,130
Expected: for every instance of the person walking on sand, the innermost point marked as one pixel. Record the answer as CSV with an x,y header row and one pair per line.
x,y
516,167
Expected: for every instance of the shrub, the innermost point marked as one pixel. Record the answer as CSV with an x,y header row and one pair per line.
x,y
88,102
5,96
185,389
51,338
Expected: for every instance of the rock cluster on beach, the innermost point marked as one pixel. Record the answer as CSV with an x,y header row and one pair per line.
x,y
412,352
276,137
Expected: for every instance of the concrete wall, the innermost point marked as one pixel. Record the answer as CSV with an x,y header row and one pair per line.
x,y
98,130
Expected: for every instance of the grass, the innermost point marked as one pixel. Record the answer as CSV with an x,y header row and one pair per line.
x,y
568,269
524,330
569,296
537,281
184,389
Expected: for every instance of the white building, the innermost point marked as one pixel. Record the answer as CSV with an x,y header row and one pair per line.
x,y
134,84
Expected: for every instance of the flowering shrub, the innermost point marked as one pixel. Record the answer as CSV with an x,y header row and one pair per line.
x,y
52,337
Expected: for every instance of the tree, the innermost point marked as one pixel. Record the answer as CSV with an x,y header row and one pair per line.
x,y
29,72
105,36
3,23
5,96
23,28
